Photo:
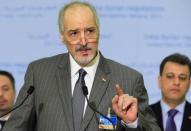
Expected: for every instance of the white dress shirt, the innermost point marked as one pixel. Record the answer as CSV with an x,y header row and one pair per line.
x,y
89,77
178,118
5,118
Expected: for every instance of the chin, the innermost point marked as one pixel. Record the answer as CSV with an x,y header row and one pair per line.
x,y
84,60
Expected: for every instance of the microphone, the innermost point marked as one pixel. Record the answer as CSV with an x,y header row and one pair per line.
x,y
29,92
85,92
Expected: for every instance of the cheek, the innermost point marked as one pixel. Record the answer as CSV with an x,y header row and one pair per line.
x,y
165,87
164,84
93,46
165,90
10,96
71,48
167,83
184,88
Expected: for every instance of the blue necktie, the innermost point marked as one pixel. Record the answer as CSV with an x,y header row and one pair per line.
x,y
170,124
78,100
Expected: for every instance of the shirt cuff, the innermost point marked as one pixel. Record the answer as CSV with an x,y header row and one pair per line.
x,y
130,125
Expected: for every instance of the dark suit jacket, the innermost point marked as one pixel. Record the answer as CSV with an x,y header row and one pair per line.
x,y
49,108
186,123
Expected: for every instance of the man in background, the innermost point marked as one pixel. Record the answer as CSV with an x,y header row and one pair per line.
x,y
58,101
173,112
7,95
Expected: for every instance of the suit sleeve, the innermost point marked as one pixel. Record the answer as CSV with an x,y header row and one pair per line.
x,y
23,118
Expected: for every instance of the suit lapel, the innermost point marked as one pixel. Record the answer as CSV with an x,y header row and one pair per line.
x,y
186,118
64,87
160,119
99,88
158,113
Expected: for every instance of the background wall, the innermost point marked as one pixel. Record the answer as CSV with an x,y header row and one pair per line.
x,y
137,33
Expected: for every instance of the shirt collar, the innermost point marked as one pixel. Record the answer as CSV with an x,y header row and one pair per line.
x,y
5,118
166,108
90,68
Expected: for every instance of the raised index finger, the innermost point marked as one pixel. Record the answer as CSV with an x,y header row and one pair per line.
x,y
118,90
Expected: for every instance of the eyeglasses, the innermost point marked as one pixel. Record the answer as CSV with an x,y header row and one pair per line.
x,y
89,34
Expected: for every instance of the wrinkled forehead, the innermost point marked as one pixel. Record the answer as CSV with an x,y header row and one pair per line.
x,y
82,12
79,15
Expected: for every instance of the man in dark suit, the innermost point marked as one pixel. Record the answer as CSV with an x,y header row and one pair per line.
x,y
174,82
52,106
7,95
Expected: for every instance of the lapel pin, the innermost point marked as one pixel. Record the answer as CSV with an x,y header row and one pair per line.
x,y
103,79
189,117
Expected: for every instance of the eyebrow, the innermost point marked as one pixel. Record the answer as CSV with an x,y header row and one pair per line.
x,y
90,27
5,85
176,74
73,30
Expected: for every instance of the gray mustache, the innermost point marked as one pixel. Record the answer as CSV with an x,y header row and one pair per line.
x,y
83,48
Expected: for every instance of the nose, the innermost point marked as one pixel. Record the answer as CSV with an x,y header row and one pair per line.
x,y
83,39
176,81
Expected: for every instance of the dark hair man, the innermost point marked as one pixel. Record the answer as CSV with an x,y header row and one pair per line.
x,y
174,81
7,95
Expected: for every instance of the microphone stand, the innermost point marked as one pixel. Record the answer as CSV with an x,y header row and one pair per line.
x,y
85,92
